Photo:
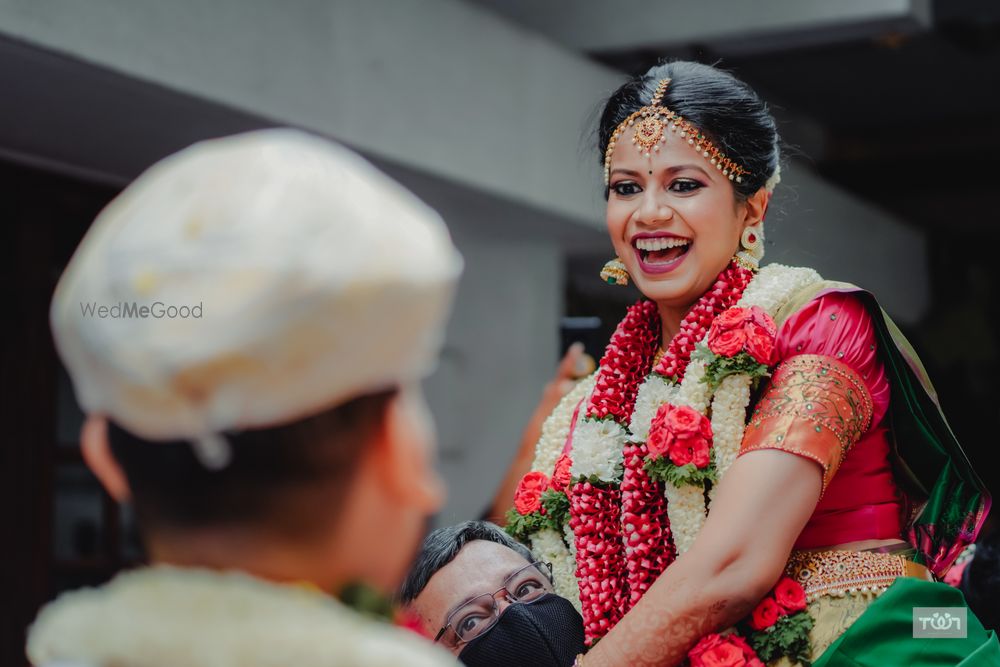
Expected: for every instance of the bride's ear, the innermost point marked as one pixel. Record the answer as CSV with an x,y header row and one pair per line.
x,y
755,207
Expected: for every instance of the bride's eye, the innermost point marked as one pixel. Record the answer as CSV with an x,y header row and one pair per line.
x,y
626,188
685,185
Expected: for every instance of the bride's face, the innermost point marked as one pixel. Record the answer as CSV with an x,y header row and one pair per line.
x,y
674,219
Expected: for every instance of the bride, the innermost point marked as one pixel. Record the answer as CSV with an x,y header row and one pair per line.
x,y
758,471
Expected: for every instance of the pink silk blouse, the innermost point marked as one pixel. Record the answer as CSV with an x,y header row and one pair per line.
x,y
861,501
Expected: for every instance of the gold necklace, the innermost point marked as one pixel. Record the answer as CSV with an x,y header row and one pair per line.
x,y
659,355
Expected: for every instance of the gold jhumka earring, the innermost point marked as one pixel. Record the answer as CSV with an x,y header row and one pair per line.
x,y
614,273
751,247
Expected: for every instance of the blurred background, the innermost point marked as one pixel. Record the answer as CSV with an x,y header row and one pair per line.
x,y
486,109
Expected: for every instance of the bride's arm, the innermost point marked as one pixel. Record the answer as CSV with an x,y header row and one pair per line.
x,y
760,509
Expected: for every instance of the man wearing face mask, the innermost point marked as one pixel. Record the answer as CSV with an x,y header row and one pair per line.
x,y
484,597
267,426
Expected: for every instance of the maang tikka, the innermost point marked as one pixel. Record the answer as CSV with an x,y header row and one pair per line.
x,y
651,124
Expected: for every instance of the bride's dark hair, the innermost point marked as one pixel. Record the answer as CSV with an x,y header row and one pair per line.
x,y
724,108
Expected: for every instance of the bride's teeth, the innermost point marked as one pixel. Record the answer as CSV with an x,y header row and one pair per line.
x,y
660,243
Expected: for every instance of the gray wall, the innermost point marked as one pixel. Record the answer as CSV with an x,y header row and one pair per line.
x,y
482,118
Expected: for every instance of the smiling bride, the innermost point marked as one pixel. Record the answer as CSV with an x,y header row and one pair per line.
x,y
758,472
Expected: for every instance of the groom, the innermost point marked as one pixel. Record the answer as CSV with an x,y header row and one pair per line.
x,y
275,446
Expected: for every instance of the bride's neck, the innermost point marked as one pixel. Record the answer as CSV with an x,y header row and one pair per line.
x,y
671,318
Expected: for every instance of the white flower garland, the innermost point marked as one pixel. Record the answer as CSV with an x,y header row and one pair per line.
x,y
548,546
560,550
770,289
555,429
597,445
597,449
729,414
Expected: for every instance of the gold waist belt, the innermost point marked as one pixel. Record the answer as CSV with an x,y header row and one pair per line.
x,y
839,573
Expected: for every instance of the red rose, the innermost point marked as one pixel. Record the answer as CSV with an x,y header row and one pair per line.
x,y
717,651
731,318
681,452
561,476
659,442
684,421
528,497
724,655
726,343
706,429
760,317
748,653
699,452
790,595
766,614
707,643
759,344
660,437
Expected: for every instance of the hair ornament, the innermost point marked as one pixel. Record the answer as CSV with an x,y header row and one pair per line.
x,y
650,125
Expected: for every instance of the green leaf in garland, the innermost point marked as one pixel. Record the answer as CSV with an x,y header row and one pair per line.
x,y
522,526
718,368
556,505
664,470
788,637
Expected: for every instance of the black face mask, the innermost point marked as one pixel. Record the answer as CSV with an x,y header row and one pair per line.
x,y
546,633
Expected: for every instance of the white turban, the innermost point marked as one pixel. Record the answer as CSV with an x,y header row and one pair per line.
x,y
250,281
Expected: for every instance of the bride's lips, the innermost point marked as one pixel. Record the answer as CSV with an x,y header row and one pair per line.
x,y
659,268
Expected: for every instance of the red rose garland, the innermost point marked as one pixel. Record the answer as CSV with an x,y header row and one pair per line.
x,y
725,292
605,582
595,510
649,548
600,565
625,364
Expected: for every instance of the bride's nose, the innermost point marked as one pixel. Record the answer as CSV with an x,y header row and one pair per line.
x,y
652,208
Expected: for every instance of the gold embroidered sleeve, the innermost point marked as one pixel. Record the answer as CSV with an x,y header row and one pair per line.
x,y
816,407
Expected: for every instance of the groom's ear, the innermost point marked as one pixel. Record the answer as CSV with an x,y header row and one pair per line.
x,y
96,450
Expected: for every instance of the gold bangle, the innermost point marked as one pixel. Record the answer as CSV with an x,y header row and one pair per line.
x,y
578,662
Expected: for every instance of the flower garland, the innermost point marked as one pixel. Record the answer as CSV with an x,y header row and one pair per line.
x,y
598,462
648,544
556,427
548,546
610,501
777,628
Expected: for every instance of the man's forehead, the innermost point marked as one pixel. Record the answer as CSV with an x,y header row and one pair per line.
x,y
480,567
483,564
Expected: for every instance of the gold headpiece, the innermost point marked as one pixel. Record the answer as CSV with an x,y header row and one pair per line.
x,y
651,124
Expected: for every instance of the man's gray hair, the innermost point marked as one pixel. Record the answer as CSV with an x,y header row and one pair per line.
x,y
441,547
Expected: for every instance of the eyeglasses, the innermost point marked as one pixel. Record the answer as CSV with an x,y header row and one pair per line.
x,y
477,615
